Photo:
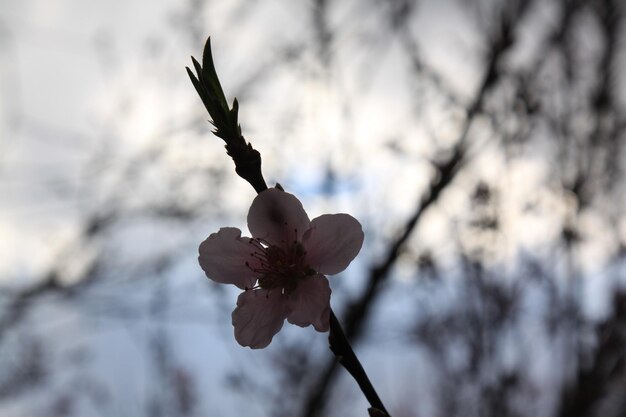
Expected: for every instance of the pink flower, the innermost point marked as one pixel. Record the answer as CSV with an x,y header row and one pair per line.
x,y
281,267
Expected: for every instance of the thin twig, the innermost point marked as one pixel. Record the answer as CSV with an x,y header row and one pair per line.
x,y
248,166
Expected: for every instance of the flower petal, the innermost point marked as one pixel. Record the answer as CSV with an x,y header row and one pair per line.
x,y
310,303
258,317
276,216
332,242
223,257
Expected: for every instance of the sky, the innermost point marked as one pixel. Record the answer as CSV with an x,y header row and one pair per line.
x,y
97,110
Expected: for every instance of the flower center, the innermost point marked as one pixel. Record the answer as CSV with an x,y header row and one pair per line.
x,y
279,267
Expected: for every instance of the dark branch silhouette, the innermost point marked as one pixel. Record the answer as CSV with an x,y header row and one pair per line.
x,y
358,310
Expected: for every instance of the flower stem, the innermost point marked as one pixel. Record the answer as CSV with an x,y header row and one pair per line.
x,y
248,166
340,346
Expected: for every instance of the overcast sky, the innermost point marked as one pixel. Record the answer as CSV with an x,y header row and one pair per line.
x,y
92,89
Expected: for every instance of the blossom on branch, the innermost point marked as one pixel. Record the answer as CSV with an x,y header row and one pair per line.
x,y
281,267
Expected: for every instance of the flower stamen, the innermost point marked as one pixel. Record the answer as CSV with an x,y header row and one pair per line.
x,y
279,266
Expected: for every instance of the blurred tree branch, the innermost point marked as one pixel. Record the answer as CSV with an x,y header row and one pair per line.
x,y
357,311
557,104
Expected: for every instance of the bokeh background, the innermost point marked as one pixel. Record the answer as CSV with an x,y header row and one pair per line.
x,y
480,143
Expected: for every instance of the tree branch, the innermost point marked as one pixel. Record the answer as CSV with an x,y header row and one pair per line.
x,y
358,311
